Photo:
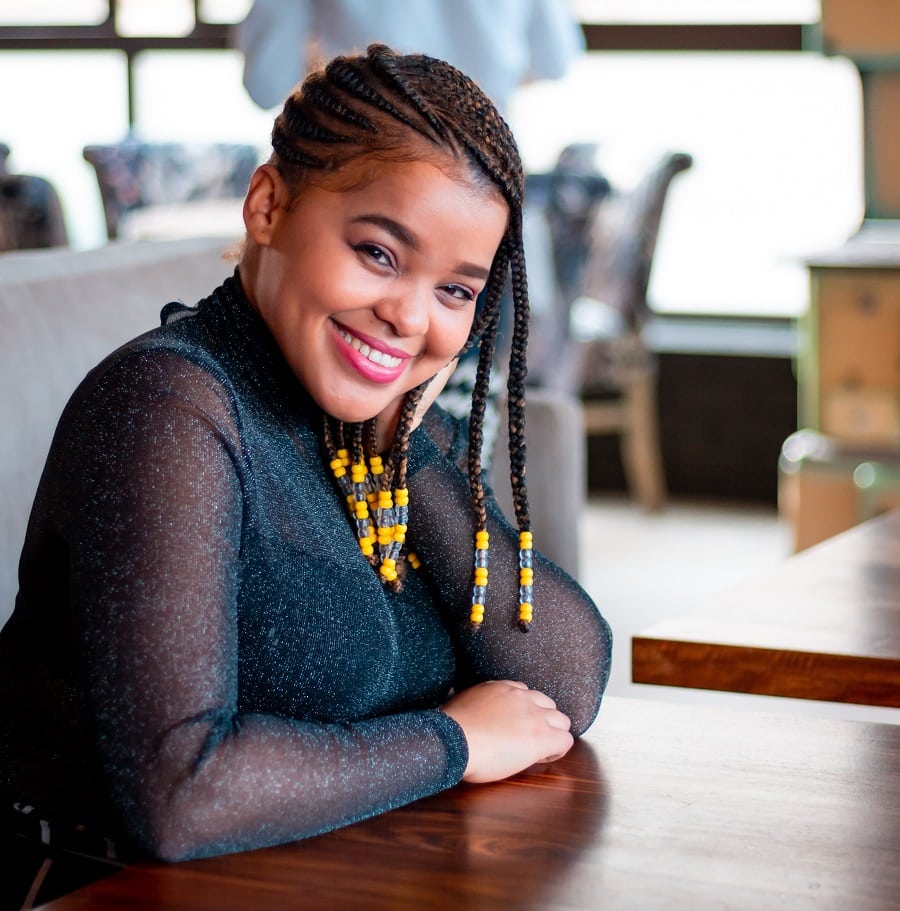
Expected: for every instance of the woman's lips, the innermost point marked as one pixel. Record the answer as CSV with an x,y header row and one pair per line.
x,y
374,363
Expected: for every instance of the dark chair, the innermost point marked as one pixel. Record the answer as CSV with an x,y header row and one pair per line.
x,y
30,212
599,315
560,206
134,174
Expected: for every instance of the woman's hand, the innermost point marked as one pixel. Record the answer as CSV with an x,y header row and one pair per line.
x,y
508,728
386,422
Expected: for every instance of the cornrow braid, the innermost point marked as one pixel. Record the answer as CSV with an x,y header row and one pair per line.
x,y
383,60
409,107
347,74
320,96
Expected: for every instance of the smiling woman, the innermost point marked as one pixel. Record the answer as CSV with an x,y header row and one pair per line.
x,y
254,601
402,259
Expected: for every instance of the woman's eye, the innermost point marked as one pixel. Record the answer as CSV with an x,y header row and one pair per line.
x,y
375,253
460,292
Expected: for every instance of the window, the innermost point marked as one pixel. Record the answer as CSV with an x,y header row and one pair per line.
x,y
776,137
778,174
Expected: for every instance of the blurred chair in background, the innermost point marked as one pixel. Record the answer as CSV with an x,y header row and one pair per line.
x,y
134,175
30,212
602,260
560,206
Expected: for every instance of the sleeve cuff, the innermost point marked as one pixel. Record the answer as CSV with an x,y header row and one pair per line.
x,y
456,745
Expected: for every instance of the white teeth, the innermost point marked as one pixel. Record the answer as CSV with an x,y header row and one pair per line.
x,y
371,354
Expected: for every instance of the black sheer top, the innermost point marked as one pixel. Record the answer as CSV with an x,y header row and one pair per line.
x,y
200,660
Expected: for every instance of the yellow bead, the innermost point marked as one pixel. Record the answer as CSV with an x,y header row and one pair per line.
x,y
526,575
481,575
398,537
339,472
525,540
413,560
375,465
481,540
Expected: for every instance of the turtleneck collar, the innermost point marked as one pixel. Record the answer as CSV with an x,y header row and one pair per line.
x,y
246,342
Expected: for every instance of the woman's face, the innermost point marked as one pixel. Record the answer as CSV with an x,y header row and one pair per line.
x,y
370,291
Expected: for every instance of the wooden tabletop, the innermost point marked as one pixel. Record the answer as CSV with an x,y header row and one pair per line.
x,y
825,624
660,806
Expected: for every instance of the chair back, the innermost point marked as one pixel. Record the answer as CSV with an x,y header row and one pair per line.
x,y
31,215
559,207
622,242
134,174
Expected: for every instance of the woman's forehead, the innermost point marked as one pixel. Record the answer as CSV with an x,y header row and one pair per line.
x,y
359,171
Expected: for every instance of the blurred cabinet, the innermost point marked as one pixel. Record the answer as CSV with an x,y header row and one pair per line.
x,y
826,486
844,465
868,32
861,28
849,372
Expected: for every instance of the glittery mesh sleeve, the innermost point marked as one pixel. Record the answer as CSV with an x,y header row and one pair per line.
x,y
567,652
151,494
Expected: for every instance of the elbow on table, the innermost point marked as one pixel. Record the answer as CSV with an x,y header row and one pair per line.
x,y
587,704
169,843
173,831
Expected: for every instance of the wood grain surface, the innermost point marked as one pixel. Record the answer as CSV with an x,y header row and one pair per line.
x,y
659,806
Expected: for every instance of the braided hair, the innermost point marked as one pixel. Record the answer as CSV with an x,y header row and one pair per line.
x,y
386,106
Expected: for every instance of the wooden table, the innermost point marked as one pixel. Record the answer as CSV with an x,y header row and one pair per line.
x,y
660,806
825,624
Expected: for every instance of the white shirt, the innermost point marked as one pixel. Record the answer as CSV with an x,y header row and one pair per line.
x,y
499,43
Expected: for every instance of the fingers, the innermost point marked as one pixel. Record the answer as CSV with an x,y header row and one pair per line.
x,y
542,700
508,727
515,683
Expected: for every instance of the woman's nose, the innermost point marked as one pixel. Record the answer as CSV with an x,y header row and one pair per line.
x,y
406,311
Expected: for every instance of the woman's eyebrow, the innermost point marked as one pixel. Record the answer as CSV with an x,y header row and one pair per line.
x,y
405,236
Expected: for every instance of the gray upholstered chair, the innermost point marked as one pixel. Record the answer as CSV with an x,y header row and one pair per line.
x,y
30,212
135,174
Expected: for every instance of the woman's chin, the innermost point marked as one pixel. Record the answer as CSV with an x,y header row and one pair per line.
x,y
352,412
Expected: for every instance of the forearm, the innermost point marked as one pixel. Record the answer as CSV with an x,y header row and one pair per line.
x,y
247,781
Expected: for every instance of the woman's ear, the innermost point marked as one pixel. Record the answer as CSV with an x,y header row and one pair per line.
x,y
264,203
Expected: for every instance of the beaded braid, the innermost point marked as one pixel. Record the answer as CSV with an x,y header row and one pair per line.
x,y
368,105
518,371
